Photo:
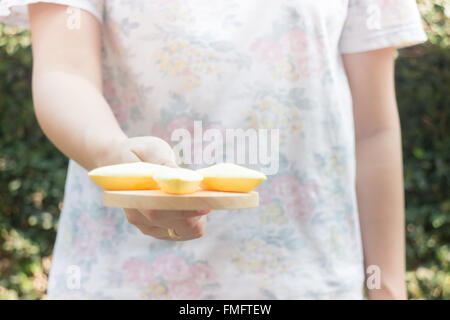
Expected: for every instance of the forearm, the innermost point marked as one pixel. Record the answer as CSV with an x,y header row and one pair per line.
x,y
74,115
67,86
381,209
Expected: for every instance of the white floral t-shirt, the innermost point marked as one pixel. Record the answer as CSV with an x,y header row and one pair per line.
x,y
231,64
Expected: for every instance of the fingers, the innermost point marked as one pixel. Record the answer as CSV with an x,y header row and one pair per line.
x,y
139,221
155,232
187,224
153,150
185,229
189,229
135,217
163,217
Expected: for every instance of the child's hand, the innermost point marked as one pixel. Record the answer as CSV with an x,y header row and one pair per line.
x,y
156,223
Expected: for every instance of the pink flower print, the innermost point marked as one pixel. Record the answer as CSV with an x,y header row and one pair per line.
x,y
121,112
83,221
303,64
132,97
301,206
182,122
137,271
131,94
86,224
162,1
105,227
390,4
306,51
185,289
296,42
171,267
159,131
109,89
166,132
265,195
202,272
297,198
285,187
300,209
187,72
86,246
266,50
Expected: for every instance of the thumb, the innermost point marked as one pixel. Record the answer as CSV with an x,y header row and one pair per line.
x,y
153,150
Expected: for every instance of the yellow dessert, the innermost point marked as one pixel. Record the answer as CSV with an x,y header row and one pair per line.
x,y
230,177
178,180
126,176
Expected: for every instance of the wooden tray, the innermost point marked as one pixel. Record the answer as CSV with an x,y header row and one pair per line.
x,y
200,200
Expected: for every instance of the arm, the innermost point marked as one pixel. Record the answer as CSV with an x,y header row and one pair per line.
x,y
379,178
67,86
72,112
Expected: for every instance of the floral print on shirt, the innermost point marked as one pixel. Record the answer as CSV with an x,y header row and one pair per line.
x,y
231,64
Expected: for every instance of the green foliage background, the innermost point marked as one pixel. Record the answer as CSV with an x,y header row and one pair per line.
x,y
32,170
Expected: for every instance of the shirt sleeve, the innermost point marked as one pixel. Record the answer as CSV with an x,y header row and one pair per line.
x,y
376,24
15,12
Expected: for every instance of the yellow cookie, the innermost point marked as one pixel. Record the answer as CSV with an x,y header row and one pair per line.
x,y
178,180
126,176
230,177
